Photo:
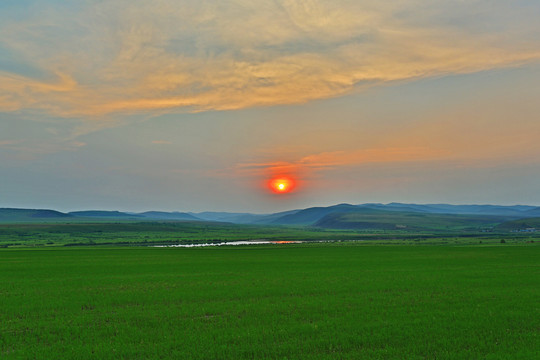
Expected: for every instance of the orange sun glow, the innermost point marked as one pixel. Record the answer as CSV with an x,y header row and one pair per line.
x,y
281,185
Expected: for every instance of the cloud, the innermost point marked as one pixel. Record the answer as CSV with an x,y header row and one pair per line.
x,y
330,160
8,143
125,57
27,150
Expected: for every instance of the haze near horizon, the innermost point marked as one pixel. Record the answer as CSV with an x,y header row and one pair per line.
x,y
198,106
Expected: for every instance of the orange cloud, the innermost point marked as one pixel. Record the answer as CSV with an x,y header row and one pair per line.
x,y
198,56
330,160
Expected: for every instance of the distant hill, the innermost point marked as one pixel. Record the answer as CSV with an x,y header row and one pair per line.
x,y
369,215
533,212
406,221
237,218
271,218
15,215
398,207
104,214
514,210
311,215
162,215
520,225
242,218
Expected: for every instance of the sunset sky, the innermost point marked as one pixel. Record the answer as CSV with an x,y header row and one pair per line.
x,y
195,105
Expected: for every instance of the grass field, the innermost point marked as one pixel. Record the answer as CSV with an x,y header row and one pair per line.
x,y
132,232
309,301
147,232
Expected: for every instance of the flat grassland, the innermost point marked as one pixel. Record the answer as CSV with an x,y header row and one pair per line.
x,y
307,301
146,233
168,233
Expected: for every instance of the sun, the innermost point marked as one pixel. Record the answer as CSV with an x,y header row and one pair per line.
x,y
281,184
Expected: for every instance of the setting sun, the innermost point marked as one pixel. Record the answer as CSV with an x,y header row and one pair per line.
x,y
281,185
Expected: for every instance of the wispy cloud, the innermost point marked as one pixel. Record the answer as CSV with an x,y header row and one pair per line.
x,y
9,144
330,160
145,56
25,149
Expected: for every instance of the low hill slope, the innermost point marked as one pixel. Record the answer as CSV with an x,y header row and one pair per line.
x,y
310,216
163,215
235,218
105,214
520,225
406,221
241,218
516,211
8,214
533,212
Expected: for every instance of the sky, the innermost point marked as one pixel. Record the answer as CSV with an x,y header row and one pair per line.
x,y
183,105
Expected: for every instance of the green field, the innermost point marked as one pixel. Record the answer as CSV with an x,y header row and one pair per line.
x,y
130,232
147,232
320,301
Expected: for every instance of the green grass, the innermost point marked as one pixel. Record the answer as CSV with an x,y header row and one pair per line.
x,y
312,301
133,233
149,232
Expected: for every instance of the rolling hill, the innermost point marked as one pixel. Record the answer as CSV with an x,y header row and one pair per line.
x,y
162,215
406,221
520,225
516,211
533,212
392,216
310,216
242,218
388,216
104,214
26,215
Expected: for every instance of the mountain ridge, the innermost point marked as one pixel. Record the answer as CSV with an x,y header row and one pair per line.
x,y
311,216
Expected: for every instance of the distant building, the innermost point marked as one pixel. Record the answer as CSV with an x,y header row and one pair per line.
x,y
527,230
